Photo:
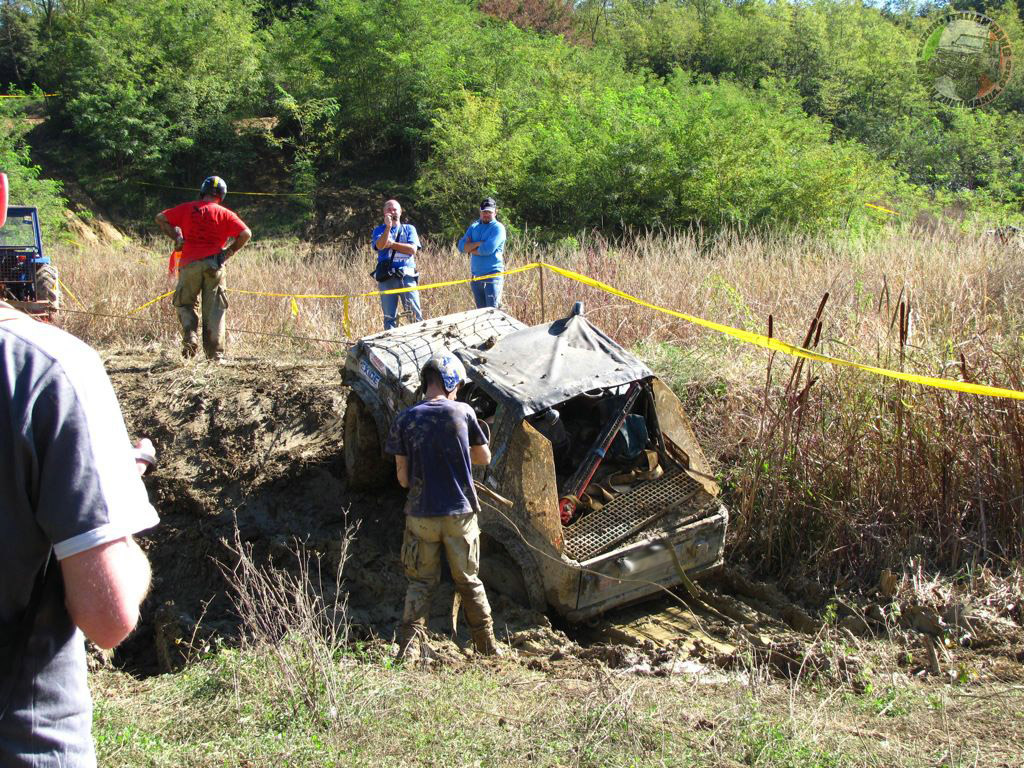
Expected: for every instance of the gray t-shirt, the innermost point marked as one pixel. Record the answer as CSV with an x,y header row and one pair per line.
x,y
69,482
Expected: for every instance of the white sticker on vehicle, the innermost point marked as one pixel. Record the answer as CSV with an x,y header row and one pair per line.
x,y
376,362
368,373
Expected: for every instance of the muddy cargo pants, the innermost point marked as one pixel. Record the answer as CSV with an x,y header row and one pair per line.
x,y
421,556
201,280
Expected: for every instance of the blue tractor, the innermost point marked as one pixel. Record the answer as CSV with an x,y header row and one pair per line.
x,y
27,278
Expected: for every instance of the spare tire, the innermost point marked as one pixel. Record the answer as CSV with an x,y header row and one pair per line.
x,y
366,466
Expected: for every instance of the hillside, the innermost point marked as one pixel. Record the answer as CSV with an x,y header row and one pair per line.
x,y
614,116
718,183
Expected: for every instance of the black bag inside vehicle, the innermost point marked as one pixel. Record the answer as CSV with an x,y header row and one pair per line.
x,y
631,439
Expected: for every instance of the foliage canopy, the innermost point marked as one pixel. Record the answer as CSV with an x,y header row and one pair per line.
x,y
599,113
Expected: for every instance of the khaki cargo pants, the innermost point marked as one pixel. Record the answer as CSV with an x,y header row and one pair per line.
x,y
201,280
421,556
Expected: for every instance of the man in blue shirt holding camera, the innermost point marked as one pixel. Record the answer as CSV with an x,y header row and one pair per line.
x,y
396,244
484,241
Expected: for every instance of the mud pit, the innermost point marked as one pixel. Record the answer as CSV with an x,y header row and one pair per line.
x,y
258,441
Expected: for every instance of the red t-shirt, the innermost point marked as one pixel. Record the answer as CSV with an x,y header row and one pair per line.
x,y
206,225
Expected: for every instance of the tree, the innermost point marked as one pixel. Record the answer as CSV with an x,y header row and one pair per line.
x,y
149,86
19,48
554,16
27,188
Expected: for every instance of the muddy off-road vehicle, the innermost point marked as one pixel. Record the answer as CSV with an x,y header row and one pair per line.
x,y
597,494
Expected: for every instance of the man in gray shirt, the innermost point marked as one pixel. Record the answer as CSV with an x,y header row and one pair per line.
x,y
71,501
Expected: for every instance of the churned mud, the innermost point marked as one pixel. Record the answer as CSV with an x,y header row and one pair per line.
x,y
256,443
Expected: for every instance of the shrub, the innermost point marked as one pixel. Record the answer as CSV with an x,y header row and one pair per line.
x,y
151,85
27,188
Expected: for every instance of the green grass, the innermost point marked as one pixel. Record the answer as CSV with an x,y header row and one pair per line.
x,y
233,709
769,744
889,701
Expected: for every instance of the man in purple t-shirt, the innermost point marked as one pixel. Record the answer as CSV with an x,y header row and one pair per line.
x,y
435,444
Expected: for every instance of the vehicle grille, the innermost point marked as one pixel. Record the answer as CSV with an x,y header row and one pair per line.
x,y
628,513
13,271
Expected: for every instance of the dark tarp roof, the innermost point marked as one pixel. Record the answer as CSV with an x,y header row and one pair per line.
x,y
542,366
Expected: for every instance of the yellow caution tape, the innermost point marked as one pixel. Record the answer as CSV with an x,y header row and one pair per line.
x,y
25,95
192,189
151,302
69,293
346,296
445,284
290,295
295,307
428,286
769,342
880,208
760,340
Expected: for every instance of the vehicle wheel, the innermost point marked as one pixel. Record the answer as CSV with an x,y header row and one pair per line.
x,y
366,466
511,570
478,400
500,573
47,285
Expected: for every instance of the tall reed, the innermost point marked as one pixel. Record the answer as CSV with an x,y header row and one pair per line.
x,y
826,469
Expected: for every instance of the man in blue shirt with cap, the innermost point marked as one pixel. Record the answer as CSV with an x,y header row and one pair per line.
x,y
484,241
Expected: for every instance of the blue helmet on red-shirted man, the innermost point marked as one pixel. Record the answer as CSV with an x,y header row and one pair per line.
x,y
449,368
214,185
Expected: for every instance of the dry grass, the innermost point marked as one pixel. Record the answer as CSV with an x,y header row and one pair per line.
x,y
296,624
828,470
959,289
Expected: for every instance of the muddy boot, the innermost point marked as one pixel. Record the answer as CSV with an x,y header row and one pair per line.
x,y
408,639
485,643
189,331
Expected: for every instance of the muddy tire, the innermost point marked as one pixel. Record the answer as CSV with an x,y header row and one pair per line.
x,y
507,567
47,285
366,467
500,573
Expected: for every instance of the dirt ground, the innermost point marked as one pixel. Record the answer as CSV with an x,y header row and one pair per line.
x,y
257,443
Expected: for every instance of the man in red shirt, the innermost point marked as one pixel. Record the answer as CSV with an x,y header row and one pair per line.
x,y
208,234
